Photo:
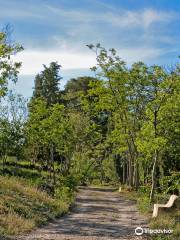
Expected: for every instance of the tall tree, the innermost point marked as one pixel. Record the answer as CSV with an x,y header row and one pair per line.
x,y
75,88
47,83
13,114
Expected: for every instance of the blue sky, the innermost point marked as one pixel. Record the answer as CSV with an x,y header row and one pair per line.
x,y
58,30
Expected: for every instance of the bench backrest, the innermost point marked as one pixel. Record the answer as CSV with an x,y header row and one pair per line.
x,y
171,200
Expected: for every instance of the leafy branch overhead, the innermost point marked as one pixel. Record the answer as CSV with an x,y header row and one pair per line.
x,y
8,68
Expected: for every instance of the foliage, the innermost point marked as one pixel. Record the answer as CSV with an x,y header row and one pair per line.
x,y
47,83
121,127
8,68
138,101
12,118
22,206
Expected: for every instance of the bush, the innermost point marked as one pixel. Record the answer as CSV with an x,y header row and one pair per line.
x,y
144,189
170,184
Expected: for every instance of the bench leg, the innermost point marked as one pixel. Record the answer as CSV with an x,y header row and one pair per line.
x,y
155,211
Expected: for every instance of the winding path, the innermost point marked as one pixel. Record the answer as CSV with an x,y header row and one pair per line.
x,y
99,214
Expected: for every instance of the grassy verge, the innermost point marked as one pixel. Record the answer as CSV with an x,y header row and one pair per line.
x,y
22,206
167,219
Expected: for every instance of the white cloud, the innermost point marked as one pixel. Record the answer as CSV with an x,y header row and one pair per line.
x,y
32,61
69,15
150,16
119,18
140,54
141,18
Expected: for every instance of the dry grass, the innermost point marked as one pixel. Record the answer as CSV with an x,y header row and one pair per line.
x,y
167,219
14,224
23,207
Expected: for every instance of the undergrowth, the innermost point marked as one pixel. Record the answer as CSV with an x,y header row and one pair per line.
x,y
168,219
22,206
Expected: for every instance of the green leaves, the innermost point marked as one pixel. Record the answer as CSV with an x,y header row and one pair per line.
x,y
47,84
48,125
143,109
13,114
8,68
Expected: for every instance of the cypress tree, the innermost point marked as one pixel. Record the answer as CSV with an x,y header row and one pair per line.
x,y
47,83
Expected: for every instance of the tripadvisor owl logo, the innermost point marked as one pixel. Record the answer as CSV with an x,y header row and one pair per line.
x,y
139,231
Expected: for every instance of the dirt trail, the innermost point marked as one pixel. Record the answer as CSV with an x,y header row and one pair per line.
x,y
99,214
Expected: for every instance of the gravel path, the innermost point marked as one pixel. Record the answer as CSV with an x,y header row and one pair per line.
x,y
99,214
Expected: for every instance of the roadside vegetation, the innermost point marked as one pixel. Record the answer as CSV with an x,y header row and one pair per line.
x,y
120,127
168,219
22,206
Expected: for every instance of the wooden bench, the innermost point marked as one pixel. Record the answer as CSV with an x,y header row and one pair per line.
x,y
169,204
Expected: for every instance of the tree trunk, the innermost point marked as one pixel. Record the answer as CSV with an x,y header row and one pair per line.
x,y
127,173
53,165
130,173
153,176
124,173
155,160
136,175
102,171
4,161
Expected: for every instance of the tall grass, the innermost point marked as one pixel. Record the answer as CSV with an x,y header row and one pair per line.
x,y
22,206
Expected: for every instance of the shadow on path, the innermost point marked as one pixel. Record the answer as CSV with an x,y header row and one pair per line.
x,y
98,214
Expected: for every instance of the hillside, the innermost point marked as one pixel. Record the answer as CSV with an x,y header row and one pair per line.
x,y
23,207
